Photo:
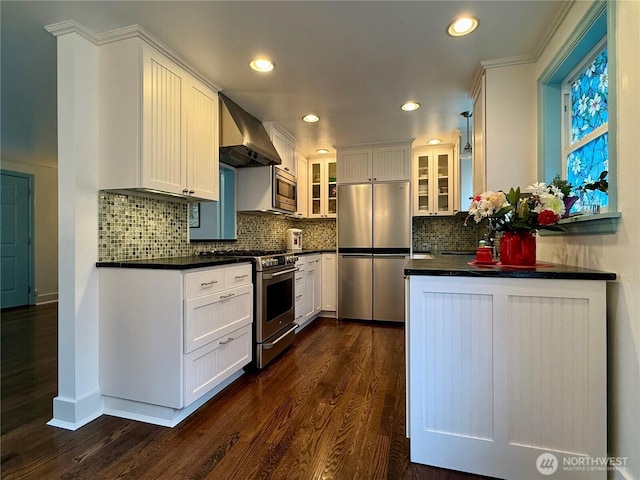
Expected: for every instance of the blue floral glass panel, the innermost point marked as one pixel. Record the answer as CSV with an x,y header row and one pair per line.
x,y
589,95
585,164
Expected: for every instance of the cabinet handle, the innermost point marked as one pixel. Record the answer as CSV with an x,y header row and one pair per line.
x,y
191,192
238,277
286,168
299,296
185,191
227,296
206,284
229,339
317,261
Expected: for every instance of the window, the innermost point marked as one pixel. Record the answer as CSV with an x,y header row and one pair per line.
x,y
585,125
578,143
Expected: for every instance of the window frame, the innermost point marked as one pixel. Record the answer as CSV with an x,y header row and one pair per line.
x,y
597,25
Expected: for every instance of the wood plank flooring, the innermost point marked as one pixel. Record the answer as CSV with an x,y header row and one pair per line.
x,y
332,407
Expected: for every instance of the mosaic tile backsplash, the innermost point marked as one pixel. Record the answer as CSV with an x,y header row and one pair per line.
x,y
132,227
445,233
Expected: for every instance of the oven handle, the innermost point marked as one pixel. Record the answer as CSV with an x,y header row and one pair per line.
x,y
269,345
269,276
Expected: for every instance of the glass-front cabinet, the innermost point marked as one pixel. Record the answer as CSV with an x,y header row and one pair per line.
x,y
434,183
322,188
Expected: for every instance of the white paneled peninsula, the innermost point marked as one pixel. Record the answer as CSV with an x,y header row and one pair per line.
x,y
505,365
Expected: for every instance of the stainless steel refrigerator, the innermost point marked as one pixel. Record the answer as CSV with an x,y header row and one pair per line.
x,y
374,238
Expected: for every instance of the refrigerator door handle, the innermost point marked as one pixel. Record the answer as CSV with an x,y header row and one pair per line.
x,y
355,255
391,255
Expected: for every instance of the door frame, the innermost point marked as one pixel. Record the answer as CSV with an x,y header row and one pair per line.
x,y
30,224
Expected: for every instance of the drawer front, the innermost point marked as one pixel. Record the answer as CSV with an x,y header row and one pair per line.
x,y
204,282
210,365
210,317
237,275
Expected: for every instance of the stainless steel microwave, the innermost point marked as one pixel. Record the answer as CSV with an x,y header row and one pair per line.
x,y
284,190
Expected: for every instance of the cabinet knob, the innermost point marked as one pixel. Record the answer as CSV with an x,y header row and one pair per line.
x,y
375,179
185,191
191,192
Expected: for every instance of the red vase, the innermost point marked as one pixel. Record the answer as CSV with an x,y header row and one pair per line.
x,y
518,248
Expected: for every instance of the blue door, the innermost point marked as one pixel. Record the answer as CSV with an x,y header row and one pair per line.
x,y
15,224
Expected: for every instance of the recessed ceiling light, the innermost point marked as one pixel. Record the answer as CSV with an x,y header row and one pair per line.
x,y
434,141
462,26
322,151
311,118
410,106
262,65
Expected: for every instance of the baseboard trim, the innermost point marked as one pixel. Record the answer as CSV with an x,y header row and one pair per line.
x,y
44,298
71,414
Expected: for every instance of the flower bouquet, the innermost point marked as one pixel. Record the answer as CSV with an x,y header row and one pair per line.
x,y
518,216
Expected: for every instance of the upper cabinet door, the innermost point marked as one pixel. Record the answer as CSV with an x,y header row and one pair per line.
x,y
285,146
434,181
380,163
163,125
202,141
391,163
354,165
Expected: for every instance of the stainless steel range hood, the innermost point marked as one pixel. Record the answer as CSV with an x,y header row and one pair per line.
x,y
244,142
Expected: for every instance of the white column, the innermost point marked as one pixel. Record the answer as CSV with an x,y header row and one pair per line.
x,y
79,400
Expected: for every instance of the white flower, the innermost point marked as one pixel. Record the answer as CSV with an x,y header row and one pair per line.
x,y
590,70
550,202
538,188
576,165
604,82
556,191
594,104
576,85
582,104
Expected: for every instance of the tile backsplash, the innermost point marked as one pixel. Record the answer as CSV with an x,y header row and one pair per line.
x,y
445,233
134,227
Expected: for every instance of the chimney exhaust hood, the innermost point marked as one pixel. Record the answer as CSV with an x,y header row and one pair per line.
x,y
244,142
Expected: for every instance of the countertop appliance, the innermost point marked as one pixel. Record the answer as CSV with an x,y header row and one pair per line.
x,y
374,239
244,142
274,300
294,239
266,189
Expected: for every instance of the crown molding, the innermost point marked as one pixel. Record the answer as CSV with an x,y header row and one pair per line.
x,y
507,61
553,28
124,33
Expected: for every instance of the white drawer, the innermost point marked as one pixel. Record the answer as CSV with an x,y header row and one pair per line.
x,y
209,317
203,282
299,298
299,315
237,275
210,365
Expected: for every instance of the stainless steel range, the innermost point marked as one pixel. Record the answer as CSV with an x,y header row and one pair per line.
x,y
274,300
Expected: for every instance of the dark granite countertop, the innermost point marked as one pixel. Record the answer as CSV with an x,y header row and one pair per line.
x,y
310,251
458,266
175,263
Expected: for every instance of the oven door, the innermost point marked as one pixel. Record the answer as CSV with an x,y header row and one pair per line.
x,y
284,190
275,302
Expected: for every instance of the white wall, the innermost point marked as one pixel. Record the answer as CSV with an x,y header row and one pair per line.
x,y
619,253
510,126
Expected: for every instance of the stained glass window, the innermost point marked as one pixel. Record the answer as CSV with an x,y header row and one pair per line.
x,y
589,95
586,148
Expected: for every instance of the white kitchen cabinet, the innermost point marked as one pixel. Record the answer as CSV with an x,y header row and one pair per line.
x,y
378,163
159,124
479,164
329,282
302,184
312,286
434,182
285,146
171,339
299,289
505,369
322,188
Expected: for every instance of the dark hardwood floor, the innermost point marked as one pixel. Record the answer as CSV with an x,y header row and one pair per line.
x,y
332,407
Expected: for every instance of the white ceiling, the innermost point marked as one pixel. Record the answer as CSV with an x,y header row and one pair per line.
x,y
351,63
